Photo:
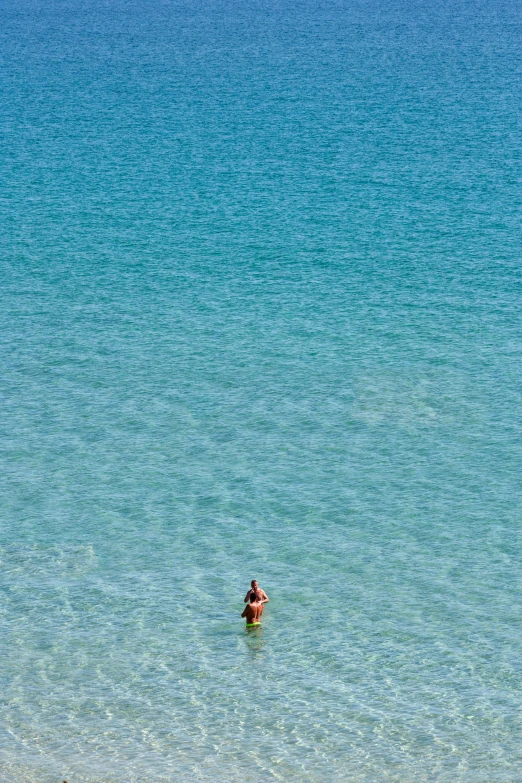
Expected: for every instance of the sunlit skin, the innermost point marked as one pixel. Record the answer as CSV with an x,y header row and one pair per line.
x,y
254,587
253,611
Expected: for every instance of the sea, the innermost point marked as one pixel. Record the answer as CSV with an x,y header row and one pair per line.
x,y
260,318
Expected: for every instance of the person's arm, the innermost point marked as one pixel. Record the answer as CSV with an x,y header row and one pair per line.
x,y
244,612
247,597
265,599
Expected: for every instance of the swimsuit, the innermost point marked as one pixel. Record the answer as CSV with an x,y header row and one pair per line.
x,y
251,625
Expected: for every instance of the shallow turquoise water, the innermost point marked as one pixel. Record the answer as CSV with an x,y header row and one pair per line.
x,y
260,318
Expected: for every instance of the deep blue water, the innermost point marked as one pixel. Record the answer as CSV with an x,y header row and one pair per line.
x,y
260,317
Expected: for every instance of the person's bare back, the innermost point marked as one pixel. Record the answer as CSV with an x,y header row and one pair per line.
x,y
253,611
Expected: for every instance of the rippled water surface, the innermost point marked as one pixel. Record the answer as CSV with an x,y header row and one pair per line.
x,y
260,317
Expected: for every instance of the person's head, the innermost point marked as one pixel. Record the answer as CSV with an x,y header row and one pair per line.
x,y
253,584
254,597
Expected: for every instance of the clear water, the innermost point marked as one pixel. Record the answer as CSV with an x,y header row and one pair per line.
x,y
260,317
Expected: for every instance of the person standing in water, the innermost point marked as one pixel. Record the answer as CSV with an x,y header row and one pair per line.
x,y
253,611
254,588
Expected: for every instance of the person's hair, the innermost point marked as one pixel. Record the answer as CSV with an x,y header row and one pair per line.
x,y
254,596
253,582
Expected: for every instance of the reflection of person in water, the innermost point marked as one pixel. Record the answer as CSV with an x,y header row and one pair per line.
x,y
253,611
254,588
